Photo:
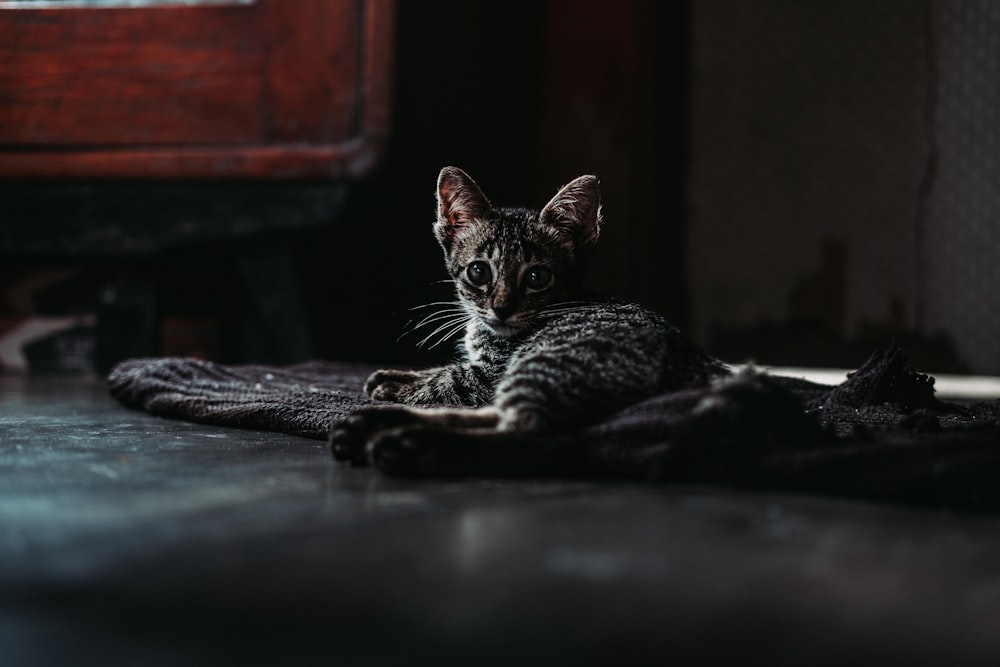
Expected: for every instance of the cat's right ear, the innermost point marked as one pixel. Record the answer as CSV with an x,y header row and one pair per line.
x,y
576,211
460,201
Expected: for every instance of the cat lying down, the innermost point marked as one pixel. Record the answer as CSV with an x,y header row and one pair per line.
x,y
539,355
553,381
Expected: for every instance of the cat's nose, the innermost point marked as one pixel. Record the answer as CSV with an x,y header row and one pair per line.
x,y
503,312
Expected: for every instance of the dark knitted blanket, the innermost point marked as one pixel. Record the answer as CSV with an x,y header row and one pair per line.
x,y
881,434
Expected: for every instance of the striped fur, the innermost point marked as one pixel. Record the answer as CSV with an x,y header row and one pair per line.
x,y
537,351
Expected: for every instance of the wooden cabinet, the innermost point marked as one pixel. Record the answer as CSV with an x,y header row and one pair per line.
x,y
265,89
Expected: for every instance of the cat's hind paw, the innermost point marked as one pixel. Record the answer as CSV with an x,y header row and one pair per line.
x,y
426,450
405,451
349,437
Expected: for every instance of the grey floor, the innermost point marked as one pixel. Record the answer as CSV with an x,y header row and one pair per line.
x,y
128,539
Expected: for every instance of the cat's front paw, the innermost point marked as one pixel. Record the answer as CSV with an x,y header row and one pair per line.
x,y
349,437
392,385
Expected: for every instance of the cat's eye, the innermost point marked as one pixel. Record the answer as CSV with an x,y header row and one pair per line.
x,y
537,278
479,273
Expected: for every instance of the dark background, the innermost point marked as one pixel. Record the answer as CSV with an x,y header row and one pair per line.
x,y
778,180
524,96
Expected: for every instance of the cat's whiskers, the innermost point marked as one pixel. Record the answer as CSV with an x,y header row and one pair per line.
x,y
445,315
457,329
436,303
444,319
450,328
450,307
434,317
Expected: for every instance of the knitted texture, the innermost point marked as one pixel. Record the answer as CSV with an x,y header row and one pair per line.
x,y
301,400
881,434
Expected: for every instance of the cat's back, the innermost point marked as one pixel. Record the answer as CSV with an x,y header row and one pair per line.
x,y
592,322
624,340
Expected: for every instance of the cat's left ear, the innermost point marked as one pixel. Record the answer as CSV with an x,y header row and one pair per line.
x,y
460,202
576,210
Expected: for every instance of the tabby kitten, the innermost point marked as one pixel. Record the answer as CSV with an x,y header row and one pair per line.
x,y
539,356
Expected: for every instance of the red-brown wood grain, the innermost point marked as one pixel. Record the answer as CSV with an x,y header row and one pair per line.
x,y
312,70
121,76
273,89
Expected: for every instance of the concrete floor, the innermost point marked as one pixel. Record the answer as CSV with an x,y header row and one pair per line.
x,y
125,538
